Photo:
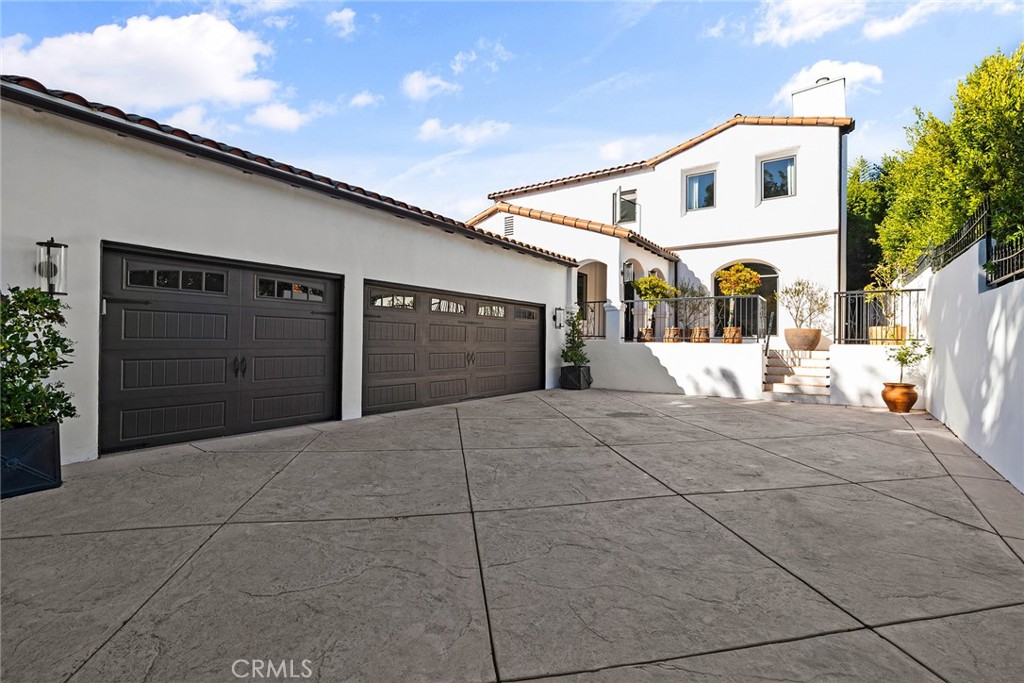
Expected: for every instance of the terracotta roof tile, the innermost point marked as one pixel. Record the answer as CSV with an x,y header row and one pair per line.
x,y
573,222
846,125
314,181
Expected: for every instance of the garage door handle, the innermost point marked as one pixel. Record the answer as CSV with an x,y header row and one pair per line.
x,y
243,366
236,366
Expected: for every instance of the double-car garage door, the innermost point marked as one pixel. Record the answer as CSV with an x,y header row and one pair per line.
x,y
423,347
194,348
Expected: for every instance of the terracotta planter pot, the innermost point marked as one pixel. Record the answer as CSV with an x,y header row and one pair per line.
x,y
732,335
887,334
900,397
802,339
646,335
672,334
700,335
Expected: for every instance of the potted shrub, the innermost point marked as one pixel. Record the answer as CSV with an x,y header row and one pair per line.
x,y
651,289
807,302
32,408
900,397
575,375
691,307
736,281
886,302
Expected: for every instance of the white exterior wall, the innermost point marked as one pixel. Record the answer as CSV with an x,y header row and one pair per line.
x,y
729,370
858,372
977,377
81,184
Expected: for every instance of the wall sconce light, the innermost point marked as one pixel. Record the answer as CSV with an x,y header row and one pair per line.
x,y
627,271
559,318
51,266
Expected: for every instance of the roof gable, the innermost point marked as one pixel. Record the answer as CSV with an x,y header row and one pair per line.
x,y
845,125
572,222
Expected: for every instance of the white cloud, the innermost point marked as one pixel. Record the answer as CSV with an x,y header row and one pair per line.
x,y
494,53
462,60
791,21
253,8
279,116
628,149
421,86
915,14
469,135
193,119
365,99
716,31
279,22
150,64
344,20
858,75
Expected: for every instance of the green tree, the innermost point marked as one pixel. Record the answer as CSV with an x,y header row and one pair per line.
x,y
866,204
952,166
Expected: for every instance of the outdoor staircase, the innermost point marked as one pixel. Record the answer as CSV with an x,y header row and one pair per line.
x,y
797,376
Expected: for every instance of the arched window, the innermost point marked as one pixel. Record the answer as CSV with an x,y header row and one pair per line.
x,y
769,286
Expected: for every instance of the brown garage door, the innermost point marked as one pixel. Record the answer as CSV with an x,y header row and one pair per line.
x,y
195,348
423,347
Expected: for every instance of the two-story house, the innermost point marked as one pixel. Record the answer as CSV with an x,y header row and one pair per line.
x,y
765,191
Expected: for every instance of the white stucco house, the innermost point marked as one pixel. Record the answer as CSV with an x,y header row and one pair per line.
x,y
766,191
214,291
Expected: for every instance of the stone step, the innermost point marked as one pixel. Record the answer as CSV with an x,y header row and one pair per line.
x,y
798,370
799,380
798,363
816,355
814,390
796,398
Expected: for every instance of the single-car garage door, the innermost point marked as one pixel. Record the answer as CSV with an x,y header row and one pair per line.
x,y
195,348
423,347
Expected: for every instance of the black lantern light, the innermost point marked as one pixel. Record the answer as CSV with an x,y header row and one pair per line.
x,y
51,266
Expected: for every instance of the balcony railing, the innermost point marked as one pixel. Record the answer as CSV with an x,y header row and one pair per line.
x,y
878,316
1006,263
696,319
593,319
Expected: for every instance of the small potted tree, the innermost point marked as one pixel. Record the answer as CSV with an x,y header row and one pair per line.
x,y
575,375
32,407
691,307
808,303
651,289
736,281
900,397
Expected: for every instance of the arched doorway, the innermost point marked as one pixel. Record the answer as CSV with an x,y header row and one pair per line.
x,y
591,294
769,287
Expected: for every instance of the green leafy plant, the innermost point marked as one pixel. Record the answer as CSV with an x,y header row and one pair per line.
x,y
652,288
574,350
909,355
738,280
33,347
807,301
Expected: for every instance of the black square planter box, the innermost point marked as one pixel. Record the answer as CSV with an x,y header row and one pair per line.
x,y
573,377
30,459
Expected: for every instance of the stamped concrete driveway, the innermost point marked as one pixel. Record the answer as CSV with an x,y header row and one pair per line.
x,y
589,536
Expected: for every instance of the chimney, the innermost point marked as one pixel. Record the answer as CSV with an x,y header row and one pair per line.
x,y
826,97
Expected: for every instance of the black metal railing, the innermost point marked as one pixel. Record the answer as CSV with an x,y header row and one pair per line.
x,y
696,319
975,228
1005,263
878,316
592,314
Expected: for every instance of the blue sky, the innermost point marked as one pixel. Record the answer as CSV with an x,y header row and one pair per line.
x,y
438,104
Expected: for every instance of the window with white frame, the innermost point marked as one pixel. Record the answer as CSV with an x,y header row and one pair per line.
x,y
624,207
700,191
778,177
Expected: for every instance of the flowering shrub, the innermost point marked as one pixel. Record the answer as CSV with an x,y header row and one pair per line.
x,y
738,280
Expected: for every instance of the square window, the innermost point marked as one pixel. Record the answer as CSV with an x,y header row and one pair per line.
x,y
141,277
625,206
265,287
215,282
778,178
192,280
700,191
168,279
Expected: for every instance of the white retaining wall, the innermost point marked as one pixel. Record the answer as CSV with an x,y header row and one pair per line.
x,y
977,377
729,370
859,371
